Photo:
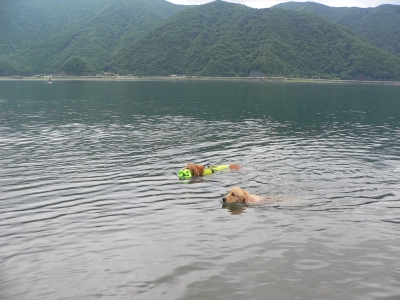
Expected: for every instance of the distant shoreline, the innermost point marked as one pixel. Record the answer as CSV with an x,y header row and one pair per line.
x,y
195,78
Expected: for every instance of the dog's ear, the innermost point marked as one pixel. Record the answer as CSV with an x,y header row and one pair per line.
x,y
246,197
199,170
196,170
192,168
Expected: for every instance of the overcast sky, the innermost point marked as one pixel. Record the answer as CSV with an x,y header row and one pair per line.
x,y
268,3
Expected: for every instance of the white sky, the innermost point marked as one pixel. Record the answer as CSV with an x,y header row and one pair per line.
x,y
269,3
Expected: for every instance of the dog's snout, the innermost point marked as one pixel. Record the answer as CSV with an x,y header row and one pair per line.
x,y
223,199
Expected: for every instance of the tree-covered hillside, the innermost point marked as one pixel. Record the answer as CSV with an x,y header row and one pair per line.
x,y
40,36
156,37
379,26
224,39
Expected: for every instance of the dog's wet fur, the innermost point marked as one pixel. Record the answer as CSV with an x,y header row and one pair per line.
x,y
239,195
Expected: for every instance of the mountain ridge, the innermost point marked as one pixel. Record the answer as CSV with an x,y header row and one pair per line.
x,y
379,26
155,37
224,39
40,35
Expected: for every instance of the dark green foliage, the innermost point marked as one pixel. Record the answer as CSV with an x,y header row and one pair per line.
x,y
9,67
42,35
77,66
155,37
379,26
223,39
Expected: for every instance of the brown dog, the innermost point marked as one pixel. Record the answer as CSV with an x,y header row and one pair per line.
x,y
239,195
198,170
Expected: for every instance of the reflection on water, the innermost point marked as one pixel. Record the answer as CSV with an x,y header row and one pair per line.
x,y
234,208
92,207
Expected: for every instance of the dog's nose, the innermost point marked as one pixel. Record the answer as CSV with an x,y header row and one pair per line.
x,y
223,199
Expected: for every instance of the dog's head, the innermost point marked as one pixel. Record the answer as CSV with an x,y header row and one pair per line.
x,y
237,195
195,170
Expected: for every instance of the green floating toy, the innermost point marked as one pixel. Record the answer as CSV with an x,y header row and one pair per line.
x,y
184,174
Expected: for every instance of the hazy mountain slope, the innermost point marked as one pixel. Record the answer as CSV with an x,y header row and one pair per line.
x,y
155,37
379,26
224,39
41,35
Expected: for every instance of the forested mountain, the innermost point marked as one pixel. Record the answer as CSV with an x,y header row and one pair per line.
x,y
156,37
379,26
225,39
40,36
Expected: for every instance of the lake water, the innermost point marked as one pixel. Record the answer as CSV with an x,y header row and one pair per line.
x,y
91,206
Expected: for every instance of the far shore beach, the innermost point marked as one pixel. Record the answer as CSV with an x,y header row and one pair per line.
x,y
195,78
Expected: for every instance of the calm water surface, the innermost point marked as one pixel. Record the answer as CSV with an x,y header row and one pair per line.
x,y
91,206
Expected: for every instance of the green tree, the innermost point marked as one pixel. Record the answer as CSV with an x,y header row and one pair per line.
x,y
77,66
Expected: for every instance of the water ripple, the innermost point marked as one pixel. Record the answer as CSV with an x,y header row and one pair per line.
x,y
91,206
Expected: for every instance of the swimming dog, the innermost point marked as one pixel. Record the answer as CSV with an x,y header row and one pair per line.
x,y
239,195
200,170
